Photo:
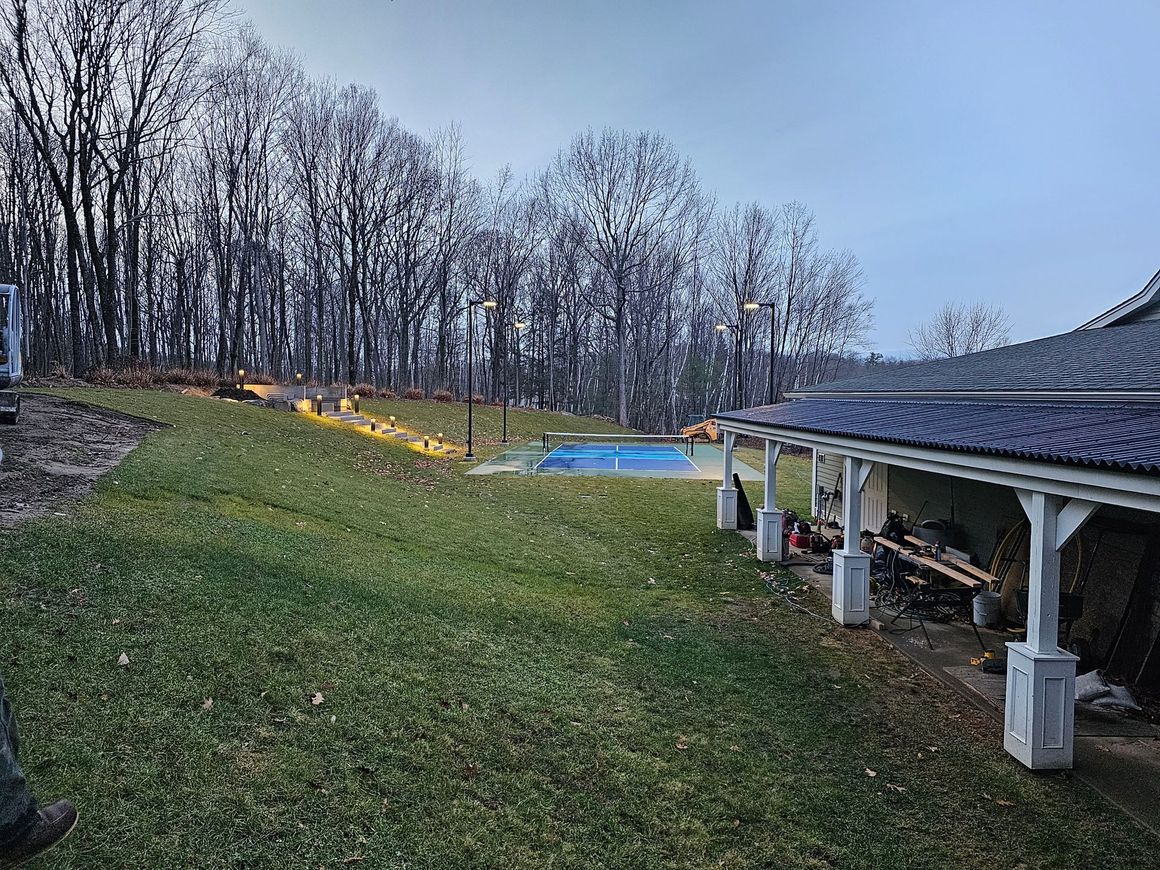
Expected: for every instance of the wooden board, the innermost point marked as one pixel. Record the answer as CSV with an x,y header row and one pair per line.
x,y
960,563
941,567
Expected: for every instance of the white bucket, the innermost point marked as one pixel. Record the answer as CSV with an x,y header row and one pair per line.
x,y
986,607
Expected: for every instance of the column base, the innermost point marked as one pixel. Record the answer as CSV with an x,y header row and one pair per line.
x,y
769,535
851,587
1039,712
726,507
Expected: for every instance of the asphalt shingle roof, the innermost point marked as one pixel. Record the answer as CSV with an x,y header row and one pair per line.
x,y
1112,359
1124,437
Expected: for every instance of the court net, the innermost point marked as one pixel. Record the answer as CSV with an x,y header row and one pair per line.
x,y
556,439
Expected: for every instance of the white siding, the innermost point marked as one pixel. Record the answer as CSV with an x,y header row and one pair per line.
x,y
827,471
827,478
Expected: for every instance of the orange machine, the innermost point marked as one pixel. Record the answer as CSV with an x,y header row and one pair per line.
x,y
706,429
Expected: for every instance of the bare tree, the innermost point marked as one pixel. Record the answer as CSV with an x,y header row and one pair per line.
x,y
960,328
175,192
629,192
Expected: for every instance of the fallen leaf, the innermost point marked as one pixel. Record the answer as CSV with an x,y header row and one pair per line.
x,y
1004,803
682,743
116,622
123,660
870,772
737,823
207,704
316,698
735,748
892,787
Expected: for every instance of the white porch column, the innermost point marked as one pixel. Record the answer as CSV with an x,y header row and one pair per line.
x,y
769,518
851,604
1039,711
726,494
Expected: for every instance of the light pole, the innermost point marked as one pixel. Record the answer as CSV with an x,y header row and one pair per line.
x,y
772,306
471,303
517,328
738,385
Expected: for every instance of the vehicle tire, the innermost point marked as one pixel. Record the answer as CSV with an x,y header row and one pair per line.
x,y
9,418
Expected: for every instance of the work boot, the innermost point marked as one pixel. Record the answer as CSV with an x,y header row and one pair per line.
x,y
52,824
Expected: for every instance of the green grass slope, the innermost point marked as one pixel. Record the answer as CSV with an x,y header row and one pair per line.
x,y
513,672
450,418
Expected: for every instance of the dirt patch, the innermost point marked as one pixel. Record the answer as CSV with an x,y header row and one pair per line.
x,y
57,451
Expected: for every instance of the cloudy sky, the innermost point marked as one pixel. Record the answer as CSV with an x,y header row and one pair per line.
x,y
975,150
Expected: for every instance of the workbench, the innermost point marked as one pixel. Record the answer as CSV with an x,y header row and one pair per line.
x,y
951,567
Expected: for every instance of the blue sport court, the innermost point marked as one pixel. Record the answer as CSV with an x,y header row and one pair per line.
x,y
618,457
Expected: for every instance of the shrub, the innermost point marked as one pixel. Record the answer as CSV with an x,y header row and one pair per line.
x,y
443,396
135,378
413,393
387,393
102,376
191,377
478,399
365,390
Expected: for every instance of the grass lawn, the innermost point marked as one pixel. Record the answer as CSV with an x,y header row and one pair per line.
x,y
516,672
450,418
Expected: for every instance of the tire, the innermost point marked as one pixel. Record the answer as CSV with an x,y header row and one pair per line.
x,y
9,418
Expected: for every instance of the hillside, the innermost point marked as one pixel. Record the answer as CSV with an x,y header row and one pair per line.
x,y
340,652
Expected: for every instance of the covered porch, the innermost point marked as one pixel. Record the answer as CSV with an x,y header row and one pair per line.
x,y
1057,498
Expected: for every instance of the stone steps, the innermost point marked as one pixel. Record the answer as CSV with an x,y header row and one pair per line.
x,y
381,428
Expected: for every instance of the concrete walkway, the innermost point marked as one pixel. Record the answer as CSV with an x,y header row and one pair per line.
x,y
1117,755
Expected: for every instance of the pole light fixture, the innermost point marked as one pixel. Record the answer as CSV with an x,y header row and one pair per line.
x,y
735,328
770,398
487,305
241,379
517,328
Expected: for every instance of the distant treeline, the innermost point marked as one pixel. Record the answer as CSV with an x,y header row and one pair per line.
x,y
178,193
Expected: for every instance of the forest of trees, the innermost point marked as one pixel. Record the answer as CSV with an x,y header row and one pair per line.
x,y
178,193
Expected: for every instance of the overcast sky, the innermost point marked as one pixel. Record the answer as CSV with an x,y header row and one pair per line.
x,y
1004,151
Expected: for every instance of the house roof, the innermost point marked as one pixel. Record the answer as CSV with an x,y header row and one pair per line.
x,y
1114,360
1120,437
1143,306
